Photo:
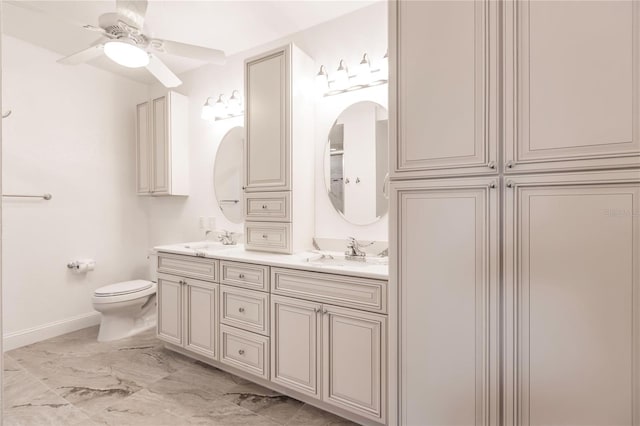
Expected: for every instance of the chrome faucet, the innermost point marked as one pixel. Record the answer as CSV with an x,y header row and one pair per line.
x,y
353,250
226,238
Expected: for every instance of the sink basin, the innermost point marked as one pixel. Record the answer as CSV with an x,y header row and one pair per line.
x,y
340,260
206,246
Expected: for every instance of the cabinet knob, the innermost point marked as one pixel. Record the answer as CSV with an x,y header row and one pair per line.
x,y
316,310
265,236
324,311
510,164
240,276
264,206
240,310
241,351
492,165
509,184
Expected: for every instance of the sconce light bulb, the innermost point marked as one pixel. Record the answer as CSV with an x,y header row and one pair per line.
x,y
208,112
220,108
342,76
364,71
322,80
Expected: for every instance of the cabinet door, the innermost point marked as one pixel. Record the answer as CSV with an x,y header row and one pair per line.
x,y
143,149
572,300
354,361
169,326
267,159
443,87
201,317
161,178
572,84
445,273
295,348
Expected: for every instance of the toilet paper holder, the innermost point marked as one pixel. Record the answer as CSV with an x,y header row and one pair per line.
x,y
82,265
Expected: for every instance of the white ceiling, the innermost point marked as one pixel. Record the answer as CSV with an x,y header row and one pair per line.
x,y
231,26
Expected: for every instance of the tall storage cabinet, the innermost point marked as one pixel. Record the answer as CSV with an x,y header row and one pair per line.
x,y
514,248
279,148
162,144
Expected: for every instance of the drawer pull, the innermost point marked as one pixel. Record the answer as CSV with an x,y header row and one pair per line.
x,y
241,276
241,351
241,310
265,236
264,206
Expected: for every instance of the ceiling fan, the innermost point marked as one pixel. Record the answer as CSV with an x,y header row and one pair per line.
x,y
124,42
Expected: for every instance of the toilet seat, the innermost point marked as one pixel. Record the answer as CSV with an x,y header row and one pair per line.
x,y
125,287
124,291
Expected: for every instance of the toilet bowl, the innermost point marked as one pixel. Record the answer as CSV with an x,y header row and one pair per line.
x,y
127,308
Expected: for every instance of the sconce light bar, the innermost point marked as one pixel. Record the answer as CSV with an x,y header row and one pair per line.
x,y
343,81
223,109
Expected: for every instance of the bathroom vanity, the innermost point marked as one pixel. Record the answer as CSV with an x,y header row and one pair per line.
x,y
311,327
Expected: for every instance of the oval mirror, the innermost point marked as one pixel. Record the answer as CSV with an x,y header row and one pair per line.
x,y
227,174
356,163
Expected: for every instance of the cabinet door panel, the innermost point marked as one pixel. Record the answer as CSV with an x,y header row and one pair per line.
x,y
267,122
354,361
295,348
572,300
201,308
143,149
447,283
161,154
445,105
572,84
169,326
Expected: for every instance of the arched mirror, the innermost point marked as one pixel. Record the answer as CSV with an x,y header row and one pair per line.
x,y
227,175
356,163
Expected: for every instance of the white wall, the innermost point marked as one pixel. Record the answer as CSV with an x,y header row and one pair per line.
x,y
71,134
347,37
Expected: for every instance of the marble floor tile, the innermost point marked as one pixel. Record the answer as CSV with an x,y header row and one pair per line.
x,y
312,416
142,408
43,408
263,401
227,414
73,380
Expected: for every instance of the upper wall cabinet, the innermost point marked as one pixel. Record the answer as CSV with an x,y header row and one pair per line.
x,y
445,93
268,161
572,85
162,146
279,147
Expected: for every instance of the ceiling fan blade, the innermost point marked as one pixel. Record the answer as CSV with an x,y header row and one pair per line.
x,y
83,55
133,10
190,51
162,72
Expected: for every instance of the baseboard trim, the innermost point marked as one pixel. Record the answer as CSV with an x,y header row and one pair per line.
x,y
31,335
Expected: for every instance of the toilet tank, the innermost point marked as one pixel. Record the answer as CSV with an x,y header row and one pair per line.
x,y
152,264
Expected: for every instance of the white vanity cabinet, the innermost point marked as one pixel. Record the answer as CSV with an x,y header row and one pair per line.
x,y
279,151
331,352
188,307
162,146
319,337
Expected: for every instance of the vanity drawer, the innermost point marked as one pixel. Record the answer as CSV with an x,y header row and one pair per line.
x,y
254,277
352,292
268,206
245,309
188,266
265,236
245,351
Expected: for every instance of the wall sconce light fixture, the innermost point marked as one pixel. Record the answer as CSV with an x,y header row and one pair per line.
x,y
223,109
342,81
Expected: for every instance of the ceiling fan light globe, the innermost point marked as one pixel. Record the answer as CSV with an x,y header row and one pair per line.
x,y
126,54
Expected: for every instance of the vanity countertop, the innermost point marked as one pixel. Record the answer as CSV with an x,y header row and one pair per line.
x,y
308,261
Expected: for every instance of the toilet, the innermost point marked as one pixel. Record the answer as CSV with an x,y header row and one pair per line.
x,y
127,308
